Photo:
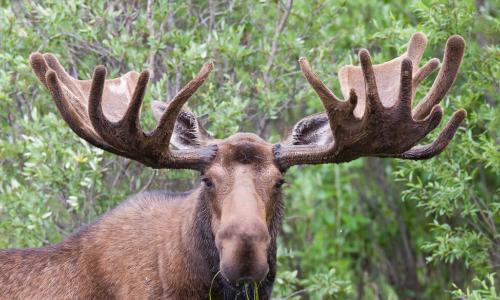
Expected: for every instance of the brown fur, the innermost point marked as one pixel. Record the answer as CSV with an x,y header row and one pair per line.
x,y
158,245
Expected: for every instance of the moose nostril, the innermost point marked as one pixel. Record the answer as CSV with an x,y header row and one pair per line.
x,y
256,234
241,270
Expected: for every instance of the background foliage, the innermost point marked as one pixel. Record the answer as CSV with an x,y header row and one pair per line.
x,y
369,229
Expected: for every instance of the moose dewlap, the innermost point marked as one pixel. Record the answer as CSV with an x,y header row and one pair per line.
x,y
219,239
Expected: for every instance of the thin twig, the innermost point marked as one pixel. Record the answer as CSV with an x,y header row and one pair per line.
x,y
211,12
122,171
150,181
151,33
280,25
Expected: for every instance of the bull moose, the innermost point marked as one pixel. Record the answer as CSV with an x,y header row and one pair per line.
x,y
218,240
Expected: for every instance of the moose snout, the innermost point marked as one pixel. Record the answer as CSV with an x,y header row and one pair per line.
x,y
243,252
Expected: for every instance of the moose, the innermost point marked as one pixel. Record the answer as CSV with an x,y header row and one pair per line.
x,y
218,240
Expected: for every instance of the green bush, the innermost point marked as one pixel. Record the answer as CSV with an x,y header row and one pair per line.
x,y
369,229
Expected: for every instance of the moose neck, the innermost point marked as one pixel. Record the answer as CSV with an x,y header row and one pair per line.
x,y
204,248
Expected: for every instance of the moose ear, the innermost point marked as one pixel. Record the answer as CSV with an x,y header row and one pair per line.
x,y
311,130
188,132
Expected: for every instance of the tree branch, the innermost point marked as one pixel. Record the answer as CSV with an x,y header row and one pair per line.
x,y
280,25
151,33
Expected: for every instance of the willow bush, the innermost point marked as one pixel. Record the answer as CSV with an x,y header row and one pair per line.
x,y
369,229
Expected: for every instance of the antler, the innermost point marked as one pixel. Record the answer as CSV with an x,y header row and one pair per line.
x,y
109,119
377,119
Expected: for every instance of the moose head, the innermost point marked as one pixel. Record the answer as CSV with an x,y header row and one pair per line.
x,y
242,175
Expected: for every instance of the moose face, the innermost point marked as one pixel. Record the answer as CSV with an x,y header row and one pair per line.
x,y
244,185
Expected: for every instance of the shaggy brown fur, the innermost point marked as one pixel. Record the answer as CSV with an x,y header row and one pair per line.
x,y
158,245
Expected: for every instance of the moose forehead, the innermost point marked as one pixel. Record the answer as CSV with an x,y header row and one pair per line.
x,y
245,149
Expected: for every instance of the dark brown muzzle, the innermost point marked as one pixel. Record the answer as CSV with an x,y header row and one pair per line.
x,y
243,251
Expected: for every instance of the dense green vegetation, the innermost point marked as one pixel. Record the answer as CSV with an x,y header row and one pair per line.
x,y
369,229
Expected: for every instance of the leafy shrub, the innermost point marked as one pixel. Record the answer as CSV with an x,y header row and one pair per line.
x,y
369,229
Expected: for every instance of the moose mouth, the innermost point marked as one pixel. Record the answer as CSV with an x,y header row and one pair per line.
x,y
244,287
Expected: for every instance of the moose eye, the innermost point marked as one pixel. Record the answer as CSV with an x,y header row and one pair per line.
x,y
279,183
208,183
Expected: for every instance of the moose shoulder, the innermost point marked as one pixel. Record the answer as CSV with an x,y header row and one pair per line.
x,y
218,240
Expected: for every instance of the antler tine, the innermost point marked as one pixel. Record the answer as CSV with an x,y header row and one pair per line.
x,y
425,71
39,66
405,88
163,131
324,93
440,143
131,117
69,114
62,75
128,127
403,105
373,100
96,115
453,54
415,50
416,47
